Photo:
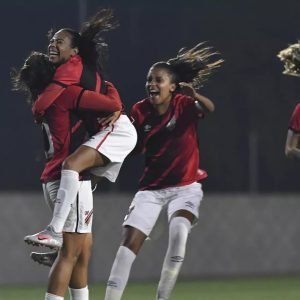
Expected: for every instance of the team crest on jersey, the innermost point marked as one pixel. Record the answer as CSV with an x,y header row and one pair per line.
x,y
171,124
147,128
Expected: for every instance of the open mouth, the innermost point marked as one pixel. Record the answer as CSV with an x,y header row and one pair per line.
x,y
53,53
153,93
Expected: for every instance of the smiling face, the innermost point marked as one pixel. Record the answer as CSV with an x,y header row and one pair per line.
x,y
60,48
160,88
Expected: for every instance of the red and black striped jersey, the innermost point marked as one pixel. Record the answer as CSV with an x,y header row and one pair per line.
x,y
169,143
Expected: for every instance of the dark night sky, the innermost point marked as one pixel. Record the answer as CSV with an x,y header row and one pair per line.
x,y
252,97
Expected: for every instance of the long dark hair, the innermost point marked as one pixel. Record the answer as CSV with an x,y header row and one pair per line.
x,y
34,76
193,65
90,39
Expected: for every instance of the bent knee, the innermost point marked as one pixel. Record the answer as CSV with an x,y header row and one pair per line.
x,y
69,163
133,239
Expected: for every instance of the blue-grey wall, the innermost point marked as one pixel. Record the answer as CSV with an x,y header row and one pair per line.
x,y
237,234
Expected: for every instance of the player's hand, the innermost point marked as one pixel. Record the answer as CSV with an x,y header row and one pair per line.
x,y
187,89
110,120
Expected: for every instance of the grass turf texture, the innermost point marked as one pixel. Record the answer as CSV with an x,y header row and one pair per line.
x,y
274,288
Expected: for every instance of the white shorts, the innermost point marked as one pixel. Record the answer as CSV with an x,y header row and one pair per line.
x,y
147,205
80,218
115,142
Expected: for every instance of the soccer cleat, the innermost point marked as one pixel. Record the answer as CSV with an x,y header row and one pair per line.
x,y
46,259
48,237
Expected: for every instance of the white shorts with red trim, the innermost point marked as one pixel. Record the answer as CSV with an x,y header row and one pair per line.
x,y
80,218
115,142
146,206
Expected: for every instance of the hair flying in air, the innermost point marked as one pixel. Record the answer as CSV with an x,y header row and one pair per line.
x,y
193,65
291,59
90,39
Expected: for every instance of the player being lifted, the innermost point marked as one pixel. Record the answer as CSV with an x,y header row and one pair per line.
x,y
61,106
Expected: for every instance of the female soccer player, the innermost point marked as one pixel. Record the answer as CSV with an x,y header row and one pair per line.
x,y
291,59
106,149
104,152
166,122
63,132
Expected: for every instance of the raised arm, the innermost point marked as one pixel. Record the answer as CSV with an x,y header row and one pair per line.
x,y
204,102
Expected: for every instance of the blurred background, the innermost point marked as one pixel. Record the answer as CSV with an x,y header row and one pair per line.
x,y
249,222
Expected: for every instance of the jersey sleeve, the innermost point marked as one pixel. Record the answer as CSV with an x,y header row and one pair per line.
x,y
294,123
191,106
81,99
134,116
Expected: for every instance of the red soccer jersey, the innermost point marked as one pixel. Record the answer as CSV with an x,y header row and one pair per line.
x,y
62,110
169,142
63,131
295,119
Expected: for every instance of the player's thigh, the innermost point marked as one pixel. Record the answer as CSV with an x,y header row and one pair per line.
x,y
80,218
144,211
116,141
83,158
186,198
73,245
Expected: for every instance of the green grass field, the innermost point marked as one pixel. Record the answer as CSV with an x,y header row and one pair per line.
x,y
275,288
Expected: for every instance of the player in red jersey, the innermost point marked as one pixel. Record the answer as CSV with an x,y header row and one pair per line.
x,y
292,149
52,104
166,122
291,59
63,132
105,151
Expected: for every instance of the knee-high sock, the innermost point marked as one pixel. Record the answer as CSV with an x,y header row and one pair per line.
x,y
178,234
66,196
49,296
79,294
119,274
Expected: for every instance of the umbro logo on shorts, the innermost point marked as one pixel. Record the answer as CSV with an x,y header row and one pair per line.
x,y
189,204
